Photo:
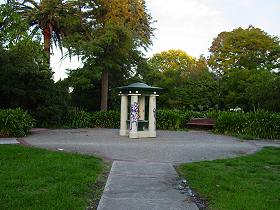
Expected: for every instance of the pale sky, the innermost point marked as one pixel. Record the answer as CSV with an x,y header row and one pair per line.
x,y
191,25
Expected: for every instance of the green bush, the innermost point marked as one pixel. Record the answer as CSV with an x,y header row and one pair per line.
x,y
51,116
175,119
15,122
261,124
78,119
213,114
109,119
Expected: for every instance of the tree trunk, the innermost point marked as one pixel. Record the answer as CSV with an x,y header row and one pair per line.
x,y
104,90
47,42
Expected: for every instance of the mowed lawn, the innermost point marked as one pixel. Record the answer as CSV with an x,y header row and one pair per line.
x,y
39,179
246,183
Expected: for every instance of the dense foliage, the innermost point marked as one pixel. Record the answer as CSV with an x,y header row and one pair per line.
x,y
245,62
109,119
261,124
26,82
250,48
187,82
175,119
81,119
78,119
14,123
86,87
106,35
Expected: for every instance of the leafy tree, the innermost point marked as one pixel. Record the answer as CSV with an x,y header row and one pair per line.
x,y
186,81
24,75
241,60
121,29
263,91
12,28
26,82
249,48
86,84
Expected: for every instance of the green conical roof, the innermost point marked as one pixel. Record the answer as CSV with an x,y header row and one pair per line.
x,y
141,87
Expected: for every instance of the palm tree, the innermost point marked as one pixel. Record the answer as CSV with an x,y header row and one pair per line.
x,y
49,16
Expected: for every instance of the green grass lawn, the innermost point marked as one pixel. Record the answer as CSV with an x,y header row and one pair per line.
x,y
39,179
249,183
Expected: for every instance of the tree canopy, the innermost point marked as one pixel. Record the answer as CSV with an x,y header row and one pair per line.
x,y
106,34
187,82
123,28
250,48
245,62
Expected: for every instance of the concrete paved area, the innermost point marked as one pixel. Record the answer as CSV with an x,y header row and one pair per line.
x,y
8,141
169,147
143,186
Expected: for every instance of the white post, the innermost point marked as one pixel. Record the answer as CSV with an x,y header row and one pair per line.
x,y
134,115
124,107
152,116
142,108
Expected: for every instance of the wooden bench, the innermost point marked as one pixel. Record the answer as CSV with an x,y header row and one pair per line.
x,y
202,122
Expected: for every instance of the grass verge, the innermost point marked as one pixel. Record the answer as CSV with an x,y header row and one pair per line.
x,y
34,178
250,182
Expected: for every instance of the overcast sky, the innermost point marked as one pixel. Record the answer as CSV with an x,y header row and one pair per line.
x,y
191,25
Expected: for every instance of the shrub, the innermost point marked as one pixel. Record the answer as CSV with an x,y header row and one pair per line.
x,y
175,119
78,119
213,114
109,119
50,116
261,124
15,122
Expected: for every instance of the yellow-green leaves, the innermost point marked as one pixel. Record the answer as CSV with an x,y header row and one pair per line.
x,y
249,48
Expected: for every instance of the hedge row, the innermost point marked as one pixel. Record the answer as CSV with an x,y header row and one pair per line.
x,y
82,119
259,124
166,119
14,122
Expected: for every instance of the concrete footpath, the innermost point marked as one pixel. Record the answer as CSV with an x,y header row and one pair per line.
x,y
143,186
8,141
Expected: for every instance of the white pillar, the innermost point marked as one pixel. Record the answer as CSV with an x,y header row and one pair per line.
x,y
124,107
142,108
134,115
152,116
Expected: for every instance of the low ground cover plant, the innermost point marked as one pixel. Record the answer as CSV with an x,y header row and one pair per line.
x,y
250,182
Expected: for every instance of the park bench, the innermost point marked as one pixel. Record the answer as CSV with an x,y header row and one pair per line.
x,y
207,123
